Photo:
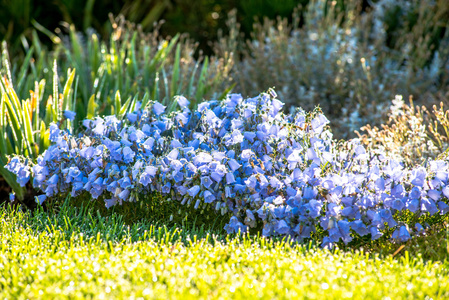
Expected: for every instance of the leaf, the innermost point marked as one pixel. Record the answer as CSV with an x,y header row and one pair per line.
x,y
175,74
124,108
66,105
91,107
27,131
14,121
201,81
55,91
118,104
145,100
23,70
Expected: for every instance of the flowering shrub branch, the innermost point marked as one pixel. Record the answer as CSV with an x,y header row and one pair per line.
x,y
281,173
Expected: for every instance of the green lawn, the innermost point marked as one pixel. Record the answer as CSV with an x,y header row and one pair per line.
x,y
74,254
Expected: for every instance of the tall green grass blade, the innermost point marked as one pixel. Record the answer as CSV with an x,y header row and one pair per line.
x,y
166,87
6,61
91,107
66,104
14,121
54,38
133,54
160,57
227,91
43,137
200,90
175,86
27,131
118,104
3,123
145,100
55,91
189,90
22,73
87,22
124,108
154,14
155,95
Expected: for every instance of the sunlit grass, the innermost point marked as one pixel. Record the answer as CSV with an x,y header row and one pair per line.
x,y
74,254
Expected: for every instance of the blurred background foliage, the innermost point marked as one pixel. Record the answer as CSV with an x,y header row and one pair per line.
x,y
201,19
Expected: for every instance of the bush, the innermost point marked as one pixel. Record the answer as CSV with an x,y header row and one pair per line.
x,y
281,174
349,62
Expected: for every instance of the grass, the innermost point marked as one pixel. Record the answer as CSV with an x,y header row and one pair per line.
x,y
76,254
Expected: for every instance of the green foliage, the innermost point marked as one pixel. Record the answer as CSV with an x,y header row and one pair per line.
x,y
24,123
133,63
18,18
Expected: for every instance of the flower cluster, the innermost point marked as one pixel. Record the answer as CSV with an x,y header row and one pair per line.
x,y
281,173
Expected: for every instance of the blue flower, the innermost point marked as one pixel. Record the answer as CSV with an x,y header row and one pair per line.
x,y
70,115
206,181
54,132
182,101
418,176
158,108
128,155
375,233
208,197
40,199
282,227
230,179
234,226
193,191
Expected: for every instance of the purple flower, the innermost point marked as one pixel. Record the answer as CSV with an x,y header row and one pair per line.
x,y
401,234
359,227
282,227
418,176
246,154
182,101
123,195
428,205
206,181
166,188
318,123
128,155
234,165
375,233
250,220
158,108
193,191
276,183
234,226
208,197
70,115
230,179
132,117
443,207
40,199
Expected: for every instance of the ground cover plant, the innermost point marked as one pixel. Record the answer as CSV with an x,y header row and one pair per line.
x,y
281,174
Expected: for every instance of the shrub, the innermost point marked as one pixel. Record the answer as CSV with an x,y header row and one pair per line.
x,y
347,61
412,135
281,174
